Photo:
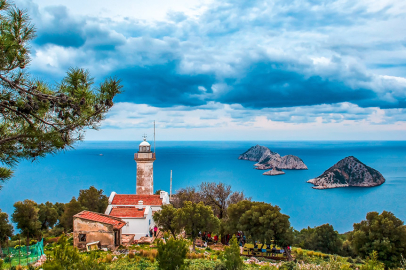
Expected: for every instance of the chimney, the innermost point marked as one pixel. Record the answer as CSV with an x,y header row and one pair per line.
x,y
140,205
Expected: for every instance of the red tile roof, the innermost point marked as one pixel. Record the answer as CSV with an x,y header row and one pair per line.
x,y
124,212
121,199
93,216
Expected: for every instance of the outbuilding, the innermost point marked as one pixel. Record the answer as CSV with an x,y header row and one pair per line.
x,y
90,227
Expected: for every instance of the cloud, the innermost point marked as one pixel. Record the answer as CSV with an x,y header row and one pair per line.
x,y
61,29
339,60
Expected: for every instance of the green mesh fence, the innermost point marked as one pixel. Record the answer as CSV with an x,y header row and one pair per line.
x,y
20,255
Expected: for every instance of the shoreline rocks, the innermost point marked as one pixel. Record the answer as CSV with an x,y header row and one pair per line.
x,y
348,172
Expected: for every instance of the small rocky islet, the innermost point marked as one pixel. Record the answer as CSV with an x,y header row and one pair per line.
x,y
267,159
348,172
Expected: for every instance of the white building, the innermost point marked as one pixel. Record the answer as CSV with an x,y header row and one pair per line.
x,y
137,209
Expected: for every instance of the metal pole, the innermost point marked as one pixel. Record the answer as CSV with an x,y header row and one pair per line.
x,y
19,251
170,190
154,136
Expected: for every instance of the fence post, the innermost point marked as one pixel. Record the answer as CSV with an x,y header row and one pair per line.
x,y
9,253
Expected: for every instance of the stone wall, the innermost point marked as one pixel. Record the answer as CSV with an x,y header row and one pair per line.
x,y
95,231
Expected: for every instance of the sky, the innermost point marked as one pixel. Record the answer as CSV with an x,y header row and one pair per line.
x,y
232,69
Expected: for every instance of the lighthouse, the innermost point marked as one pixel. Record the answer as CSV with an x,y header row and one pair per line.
x,y
145,169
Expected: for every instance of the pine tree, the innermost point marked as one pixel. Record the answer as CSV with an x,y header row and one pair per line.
x,y
26,216
195,218
71,209
93,199
165,219
6,229
37,118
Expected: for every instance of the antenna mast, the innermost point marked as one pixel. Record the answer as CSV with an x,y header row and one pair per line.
x,y
170,190
154,136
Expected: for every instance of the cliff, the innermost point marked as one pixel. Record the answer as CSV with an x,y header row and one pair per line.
x,y
268,159
348,172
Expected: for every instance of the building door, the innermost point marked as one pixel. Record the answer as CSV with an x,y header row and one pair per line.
x,y
116,238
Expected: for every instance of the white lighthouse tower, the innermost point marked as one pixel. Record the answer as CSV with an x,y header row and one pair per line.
x,y
145,169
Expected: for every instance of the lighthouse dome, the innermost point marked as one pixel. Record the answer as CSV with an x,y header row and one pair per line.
x,y
144,143
145,146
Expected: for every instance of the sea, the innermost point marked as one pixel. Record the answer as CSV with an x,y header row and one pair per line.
x,y
110,166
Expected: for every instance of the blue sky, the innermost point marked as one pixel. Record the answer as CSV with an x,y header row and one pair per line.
x,y
234,70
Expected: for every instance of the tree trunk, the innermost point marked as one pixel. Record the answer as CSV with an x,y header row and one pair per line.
x,y
194,244
288,254
1,251
173,233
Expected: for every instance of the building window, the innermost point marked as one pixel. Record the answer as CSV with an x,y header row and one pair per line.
x,y
82,237
149,222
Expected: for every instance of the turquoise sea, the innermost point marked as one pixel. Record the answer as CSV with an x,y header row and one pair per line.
x,y
110,166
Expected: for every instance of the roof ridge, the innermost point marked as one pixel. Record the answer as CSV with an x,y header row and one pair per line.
x,y
119,222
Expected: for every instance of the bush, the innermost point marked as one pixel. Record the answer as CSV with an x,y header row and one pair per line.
x,y
288,266
201,264
131,255
109,258
232,257
50,240
67,257
1,264
372,262
171,255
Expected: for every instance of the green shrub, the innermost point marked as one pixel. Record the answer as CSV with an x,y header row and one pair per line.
x,y
268,267
310,253
201,264
232,257
108,258
1,264
358,260
288,266
171,256
67,257
372,262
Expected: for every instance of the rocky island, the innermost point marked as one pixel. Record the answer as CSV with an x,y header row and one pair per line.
x,y
274,172
348,172
267,159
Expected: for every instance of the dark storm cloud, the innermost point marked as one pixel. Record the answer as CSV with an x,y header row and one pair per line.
x,y
271,85
162,85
